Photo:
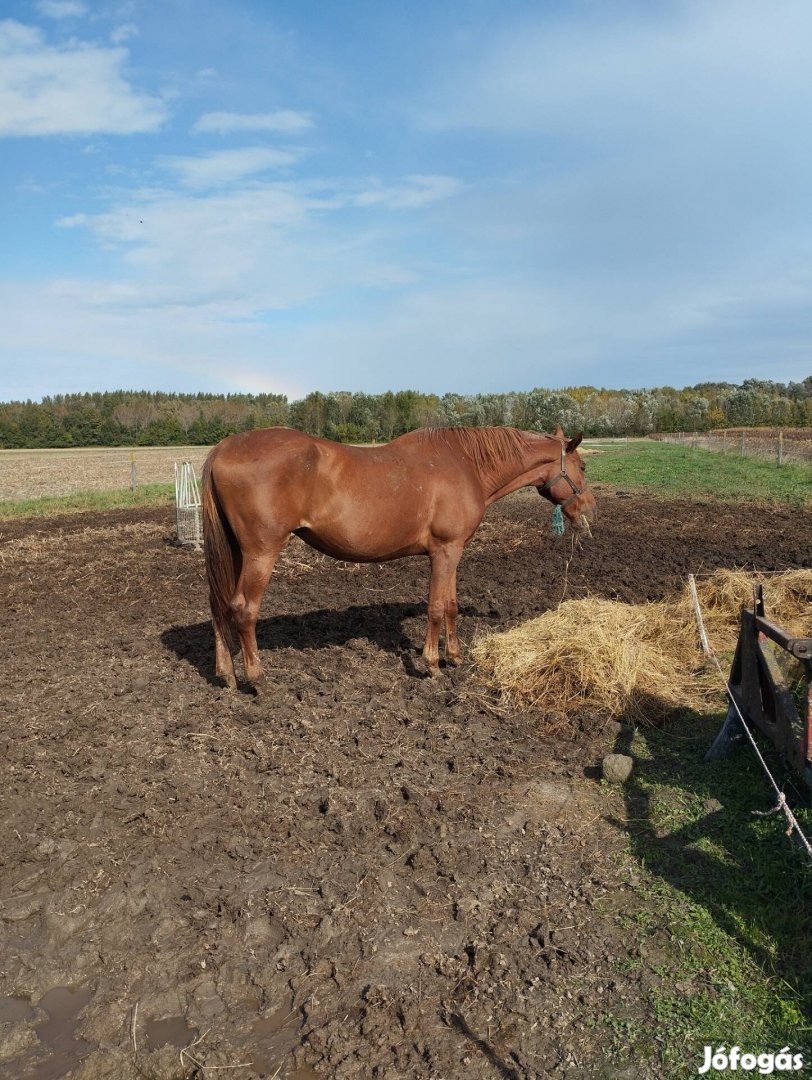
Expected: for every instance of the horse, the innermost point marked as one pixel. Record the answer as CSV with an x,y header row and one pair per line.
x,y
424,493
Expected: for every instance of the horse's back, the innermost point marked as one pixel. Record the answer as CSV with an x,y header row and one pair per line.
x,y
246,446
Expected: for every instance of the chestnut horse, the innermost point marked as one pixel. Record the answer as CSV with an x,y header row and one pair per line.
x,y
423,494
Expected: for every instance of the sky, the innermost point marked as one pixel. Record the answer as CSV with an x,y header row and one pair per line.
x,y
465,196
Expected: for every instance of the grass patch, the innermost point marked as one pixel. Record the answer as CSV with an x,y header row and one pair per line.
x,y
84,501
681,471
725,914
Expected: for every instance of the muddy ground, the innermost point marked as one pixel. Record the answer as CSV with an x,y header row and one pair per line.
x,y
364,872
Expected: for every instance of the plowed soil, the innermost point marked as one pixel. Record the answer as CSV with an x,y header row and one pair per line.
x,y
364,872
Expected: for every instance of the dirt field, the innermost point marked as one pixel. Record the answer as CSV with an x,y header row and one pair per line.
x,y
362,873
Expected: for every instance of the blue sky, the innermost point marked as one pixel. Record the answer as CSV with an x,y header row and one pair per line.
x,y
488,195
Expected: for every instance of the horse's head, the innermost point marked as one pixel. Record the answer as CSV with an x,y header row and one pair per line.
x,y
566,486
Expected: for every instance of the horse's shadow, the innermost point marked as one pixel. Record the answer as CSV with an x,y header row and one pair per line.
x,y
382,625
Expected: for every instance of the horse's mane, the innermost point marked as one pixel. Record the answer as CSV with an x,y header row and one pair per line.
x,y
487,448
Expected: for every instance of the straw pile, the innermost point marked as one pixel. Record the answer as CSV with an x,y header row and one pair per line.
x,y
600,659
722,595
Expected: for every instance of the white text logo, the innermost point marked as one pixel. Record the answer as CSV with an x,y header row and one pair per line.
x,y
732,1060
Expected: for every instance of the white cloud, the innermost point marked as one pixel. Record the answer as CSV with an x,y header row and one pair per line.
x,y
237,253
61,9
416,191
263,245
226,274
14,36
287,121
124,33
224,167
76,89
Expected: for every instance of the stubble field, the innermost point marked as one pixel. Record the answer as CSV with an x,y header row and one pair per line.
x,y
33,474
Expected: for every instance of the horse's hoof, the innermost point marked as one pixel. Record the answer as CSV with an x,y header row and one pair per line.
x,y
229,682
425,667
454,661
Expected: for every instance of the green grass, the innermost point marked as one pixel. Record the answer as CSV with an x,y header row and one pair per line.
x,y
51,505
682,472
724,919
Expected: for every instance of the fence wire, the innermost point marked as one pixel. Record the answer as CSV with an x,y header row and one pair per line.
x,y
777,444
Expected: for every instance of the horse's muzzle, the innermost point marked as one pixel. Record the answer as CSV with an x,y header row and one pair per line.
x,y
580,507
586,510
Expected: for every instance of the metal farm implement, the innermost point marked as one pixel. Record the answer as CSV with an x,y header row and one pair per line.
x,y
770,687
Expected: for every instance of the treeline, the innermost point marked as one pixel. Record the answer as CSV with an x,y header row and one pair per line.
x,y
124,418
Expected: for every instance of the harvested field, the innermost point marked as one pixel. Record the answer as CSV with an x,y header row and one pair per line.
x,y
362,873
31,474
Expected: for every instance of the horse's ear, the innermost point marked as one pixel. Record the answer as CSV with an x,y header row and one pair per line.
x,y
559,432
573,444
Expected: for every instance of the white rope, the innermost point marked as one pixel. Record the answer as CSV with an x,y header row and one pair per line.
x,y
781,800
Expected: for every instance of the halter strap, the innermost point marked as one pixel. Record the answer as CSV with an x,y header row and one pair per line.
x,y
545,489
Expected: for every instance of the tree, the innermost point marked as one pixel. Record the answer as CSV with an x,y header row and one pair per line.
x,y
547,408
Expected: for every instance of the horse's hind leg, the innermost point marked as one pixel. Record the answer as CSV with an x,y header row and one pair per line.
x,y
251,586
223,660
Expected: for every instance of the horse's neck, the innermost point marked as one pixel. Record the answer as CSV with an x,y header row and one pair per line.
x,y
511,475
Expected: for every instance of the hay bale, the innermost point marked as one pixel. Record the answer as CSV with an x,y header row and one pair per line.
x,y
599,656
722,595
607,660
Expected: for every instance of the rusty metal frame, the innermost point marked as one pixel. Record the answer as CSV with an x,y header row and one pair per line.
x,y
759,688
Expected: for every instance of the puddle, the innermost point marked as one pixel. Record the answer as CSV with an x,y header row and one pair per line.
x,y
57,1033
274,1037
267,1026
172,1031
13,1010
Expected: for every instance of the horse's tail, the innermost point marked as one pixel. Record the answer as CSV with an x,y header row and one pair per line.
x,y
220,548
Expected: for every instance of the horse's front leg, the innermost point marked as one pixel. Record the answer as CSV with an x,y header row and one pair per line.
x,y
453,654
442,592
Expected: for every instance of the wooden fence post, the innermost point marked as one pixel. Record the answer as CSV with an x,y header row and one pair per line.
x,y
133,472
780,449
